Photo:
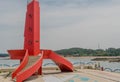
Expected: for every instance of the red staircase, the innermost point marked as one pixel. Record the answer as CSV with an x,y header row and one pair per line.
x,y
22,65
28,67
63,64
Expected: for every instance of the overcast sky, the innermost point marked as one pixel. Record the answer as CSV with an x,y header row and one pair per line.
x,y
64,24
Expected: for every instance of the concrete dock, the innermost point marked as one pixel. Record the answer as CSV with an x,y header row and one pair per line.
x,y
80,75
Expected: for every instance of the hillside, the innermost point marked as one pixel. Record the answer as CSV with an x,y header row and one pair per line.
x,y
89,52
3,55
84,52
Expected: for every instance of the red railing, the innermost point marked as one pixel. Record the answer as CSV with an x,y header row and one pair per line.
x,y
63,64
30,71
22,65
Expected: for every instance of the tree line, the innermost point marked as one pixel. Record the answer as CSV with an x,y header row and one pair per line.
x,y
84,52
89,52
3,55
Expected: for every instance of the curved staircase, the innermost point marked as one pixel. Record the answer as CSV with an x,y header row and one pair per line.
x,y
63,64
29,66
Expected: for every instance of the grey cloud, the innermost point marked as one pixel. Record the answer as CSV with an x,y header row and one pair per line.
x,y
64,23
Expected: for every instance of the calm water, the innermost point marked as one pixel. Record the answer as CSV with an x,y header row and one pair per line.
x,y
110,66
76,61
105,64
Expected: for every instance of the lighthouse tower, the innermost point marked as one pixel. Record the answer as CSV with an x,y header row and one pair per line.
x,y
31,56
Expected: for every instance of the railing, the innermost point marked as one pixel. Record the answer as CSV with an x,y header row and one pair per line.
x,y
112,70
7,66
22,65
4,65
49,64
15,65
28,72
83,63
108,69
116,70
63,64
90,63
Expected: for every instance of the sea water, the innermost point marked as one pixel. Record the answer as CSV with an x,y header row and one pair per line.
x,y
75,61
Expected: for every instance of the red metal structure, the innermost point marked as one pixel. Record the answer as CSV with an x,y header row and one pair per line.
x,y
31,56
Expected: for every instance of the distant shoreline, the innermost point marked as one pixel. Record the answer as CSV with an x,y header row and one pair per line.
x,y
93,57
100,58
3,55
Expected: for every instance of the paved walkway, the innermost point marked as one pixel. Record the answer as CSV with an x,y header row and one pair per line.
x,y
78,76
52,78
103,74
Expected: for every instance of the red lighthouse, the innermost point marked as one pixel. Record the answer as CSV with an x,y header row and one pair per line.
x,y
32,56
32,28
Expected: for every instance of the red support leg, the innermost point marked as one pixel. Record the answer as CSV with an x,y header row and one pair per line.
x,y
63,64
21,60
40,71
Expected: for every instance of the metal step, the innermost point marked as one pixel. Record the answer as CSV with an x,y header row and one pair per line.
x,y
31,61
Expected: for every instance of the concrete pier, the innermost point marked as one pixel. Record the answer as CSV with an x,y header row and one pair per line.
x,y
53,74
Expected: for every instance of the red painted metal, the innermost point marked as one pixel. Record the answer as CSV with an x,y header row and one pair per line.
x,y
32,47
32,28
63,64
17,54
22,65
21,76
